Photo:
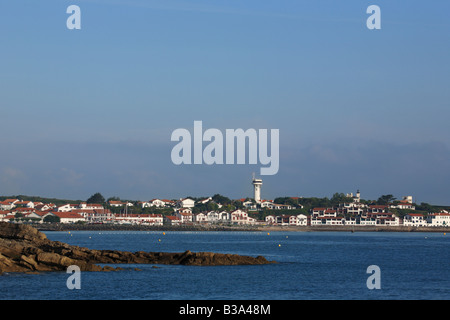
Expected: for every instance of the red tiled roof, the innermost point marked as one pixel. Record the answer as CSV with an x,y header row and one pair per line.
x,y
68,215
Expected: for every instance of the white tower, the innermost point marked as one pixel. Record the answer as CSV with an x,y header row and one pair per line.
x,y
257,183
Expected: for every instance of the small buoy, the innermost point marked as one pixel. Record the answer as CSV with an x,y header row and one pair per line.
x,y
287,237
164,233
444,233
90,238
268,233
159,240
279,245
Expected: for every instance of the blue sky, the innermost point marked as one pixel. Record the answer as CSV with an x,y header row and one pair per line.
x,y
92,110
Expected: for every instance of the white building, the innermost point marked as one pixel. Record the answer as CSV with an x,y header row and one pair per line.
x,y
67,217
403,205
257,183
114,203
147,219
224,216
249,205
414,220
186,203
239,217
67,207
200,218
213,217
298,220
327,220
184,216
441,219
157,203
408,199
93,206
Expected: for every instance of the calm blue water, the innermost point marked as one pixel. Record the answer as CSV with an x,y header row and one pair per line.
x,y
312,265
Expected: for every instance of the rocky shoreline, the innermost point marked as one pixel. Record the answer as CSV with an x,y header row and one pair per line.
x,y
26,249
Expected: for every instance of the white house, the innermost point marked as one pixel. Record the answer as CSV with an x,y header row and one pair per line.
x,y
239,217
213,217
318,212
186,203
6,205
224,216
441,219
92,215
384,218
249,205
67,207
67,217
183,216
169,203
266,203
95,206
403,205
114,203
298,220
157,203
414,220
275,206
328,220
200,218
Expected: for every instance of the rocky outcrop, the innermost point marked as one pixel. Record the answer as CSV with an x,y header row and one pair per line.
x,y
25,249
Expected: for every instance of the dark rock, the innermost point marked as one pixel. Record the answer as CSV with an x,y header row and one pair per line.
x,y
25,249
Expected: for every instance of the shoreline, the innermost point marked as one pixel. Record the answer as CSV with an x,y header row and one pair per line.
x,y
112,227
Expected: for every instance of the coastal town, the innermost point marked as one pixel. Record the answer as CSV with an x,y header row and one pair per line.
x,y
210,211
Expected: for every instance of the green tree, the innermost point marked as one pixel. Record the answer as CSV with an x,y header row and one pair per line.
x,y
52,219
386,199
340,198
217,198
96,198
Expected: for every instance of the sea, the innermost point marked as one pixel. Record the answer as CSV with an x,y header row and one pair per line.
x,y
310,266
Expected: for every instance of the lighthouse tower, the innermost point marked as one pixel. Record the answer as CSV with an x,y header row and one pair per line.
x,y
257,183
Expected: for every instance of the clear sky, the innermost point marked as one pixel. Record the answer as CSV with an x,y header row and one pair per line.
x,y
92,110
